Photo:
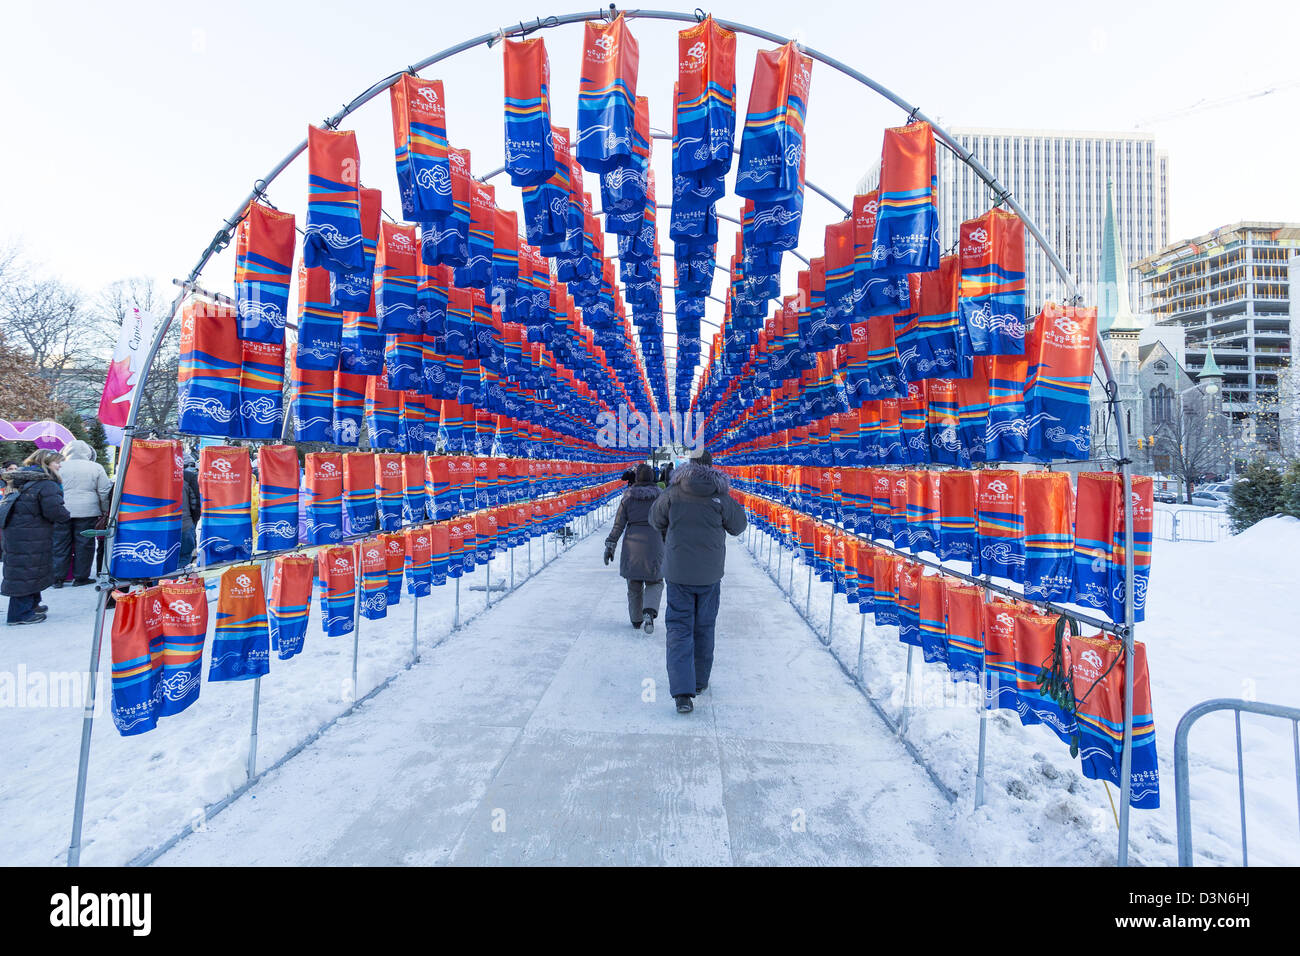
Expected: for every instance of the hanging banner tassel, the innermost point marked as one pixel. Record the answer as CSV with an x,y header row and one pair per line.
x,y
1143,526
264,246
933,619
207,381
240,643
706,100
261,391
359,513
606,95
348,408
1001,689
1061,356
440,536
413,493
148,539
1035,643
1049,535
530,159
324,473
336,577
374,580
320,324
964,622
137,649
390,486
394,557
772,145
332,237
1099,677
278,479
906,236
1000,525
355,291
446,241
384,415
184,630
957,516
992,295
290,605
420,143
421,564
226,491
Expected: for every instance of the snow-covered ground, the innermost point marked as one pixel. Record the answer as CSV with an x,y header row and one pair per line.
x,y
1220,623
144,789
537,709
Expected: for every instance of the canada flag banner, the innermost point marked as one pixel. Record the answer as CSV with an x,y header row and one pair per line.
x,y
133,342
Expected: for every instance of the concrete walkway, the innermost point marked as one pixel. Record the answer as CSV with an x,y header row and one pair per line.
x,y
543,733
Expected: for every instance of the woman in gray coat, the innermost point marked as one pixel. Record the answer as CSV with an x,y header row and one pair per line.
x,y
643,549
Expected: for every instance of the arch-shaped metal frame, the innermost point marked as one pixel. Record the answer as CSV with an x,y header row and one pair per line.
x,y
1002,195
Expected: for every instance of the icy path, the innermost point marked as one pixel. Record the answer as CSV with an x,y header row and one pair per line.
x,y
535,736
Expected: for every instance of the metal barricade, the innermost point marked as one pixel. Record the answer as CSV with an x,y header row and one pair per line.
x,y
1182,793
1191,524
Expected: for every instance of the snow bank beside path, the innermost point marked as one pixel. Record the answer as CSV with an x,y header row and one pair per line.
x,y
1221,622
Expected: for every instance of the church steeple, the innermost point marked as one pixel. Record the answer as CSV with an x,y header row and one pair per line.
x,y
1113,310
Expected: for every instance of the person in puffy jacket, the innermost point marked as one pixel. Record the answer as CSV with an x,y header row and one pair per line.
x,y
87,491
696,514
33,508
642,558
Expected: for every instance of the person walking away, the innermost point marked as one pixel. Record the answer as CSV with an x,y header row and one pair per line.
x,y
695,514
191,508
642,558
28,516
86,494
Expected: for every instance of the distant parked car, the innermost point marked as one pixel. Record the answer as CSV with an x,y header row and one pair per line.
x,y
1165,497
1212,499
1224,487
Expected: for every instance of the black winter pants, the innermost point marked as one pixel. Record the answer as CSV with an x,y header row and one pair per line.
x,y
689,619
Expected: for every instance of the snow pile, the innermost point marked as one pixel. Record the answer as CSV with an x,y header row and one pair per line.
x,y
1220,623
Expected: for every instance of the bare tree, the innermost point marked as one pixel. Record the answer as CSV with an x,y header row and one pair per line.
x,y
1197,439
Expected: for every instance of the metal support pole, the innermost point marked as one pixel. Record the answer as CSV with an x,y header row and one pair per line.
x,y
907,694
984,723
415,629
512,569
830,625
356,624
807,604
862,640
487,581
252,734
456,622
87,726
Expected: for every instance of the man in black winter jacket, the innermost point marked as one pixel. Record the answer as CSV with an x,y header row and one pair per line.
x,y
697,513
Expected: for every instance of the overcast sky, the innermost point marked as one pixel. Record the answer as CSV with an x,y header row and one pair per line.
x,y
135,128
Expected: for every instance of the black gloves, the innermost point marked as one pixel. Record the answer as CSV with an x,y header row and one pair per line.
x,y
609,552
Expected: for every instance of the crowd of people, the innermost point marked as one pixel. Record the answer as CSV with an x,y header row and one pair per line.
x,y
50,501
674,529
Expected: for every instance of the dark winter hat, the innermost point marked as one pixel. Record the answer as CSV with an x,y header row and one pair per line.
x,y
645,475
702,457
